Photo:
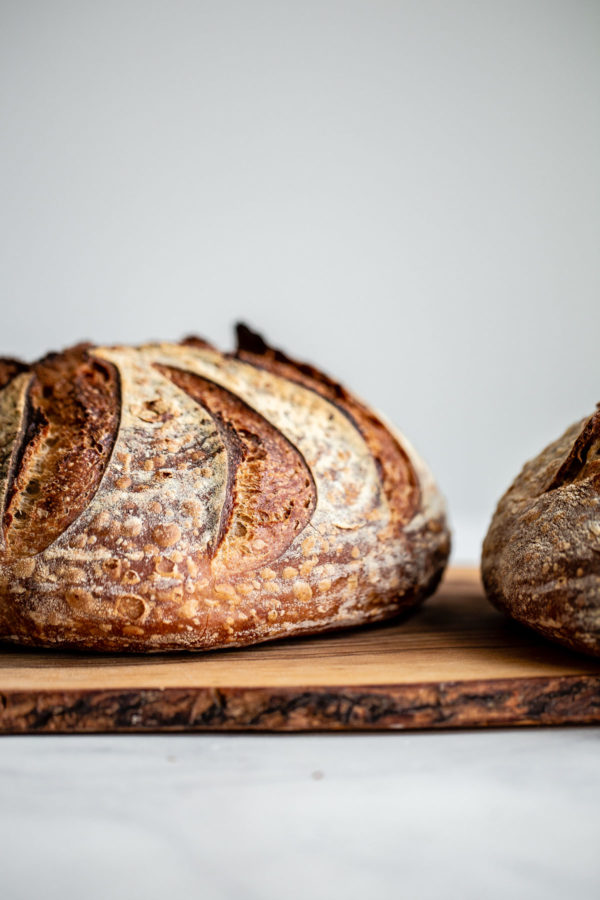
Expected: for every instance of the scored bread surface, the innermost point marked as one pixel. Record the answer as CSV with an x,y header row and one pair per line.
x,y
170,496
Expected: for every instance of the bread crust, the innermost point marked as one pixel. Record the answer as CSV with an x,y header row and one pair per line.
x,y
541,555
171,497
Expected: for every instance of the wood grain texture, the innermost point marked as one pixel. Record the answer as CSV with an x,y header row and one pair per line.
x,y
456,662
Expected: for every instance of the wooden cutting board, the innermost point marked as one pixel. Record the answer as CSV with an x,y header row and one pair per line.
x,y
455,662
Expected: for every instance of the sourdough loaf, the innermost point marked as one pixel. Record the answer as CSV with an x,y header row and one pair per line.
x,y
541,556
170,496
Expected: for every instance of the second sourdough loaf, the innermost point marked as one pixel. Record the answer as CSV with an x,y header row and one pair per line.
x,y
541,555
171,496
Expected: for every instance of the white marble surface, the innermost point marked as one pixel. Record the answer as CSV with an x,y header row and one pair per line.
x,y
468,815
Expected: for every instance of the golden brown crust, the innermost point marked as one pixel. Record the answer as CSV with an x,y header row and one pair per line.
x,y
271,494
186,499
399,480
541,556
68,431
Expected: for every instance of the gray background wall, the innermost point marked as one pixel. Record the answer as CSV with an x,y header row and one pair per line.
x,y
406,193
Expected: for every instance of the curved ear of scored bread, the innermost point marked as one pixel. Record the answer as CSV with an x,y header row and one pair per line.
x,y
170,496
541,555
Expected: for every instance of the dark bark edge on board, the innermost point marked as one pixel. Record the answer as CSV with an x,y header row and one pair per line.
x,y
557,700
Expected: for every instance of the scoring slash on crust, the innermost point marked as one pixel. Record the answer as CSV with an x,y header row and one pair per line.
x,y
170,496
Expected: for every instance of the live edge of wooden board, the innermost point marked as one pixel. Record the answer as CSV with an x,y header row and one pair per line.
x,y
454,663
